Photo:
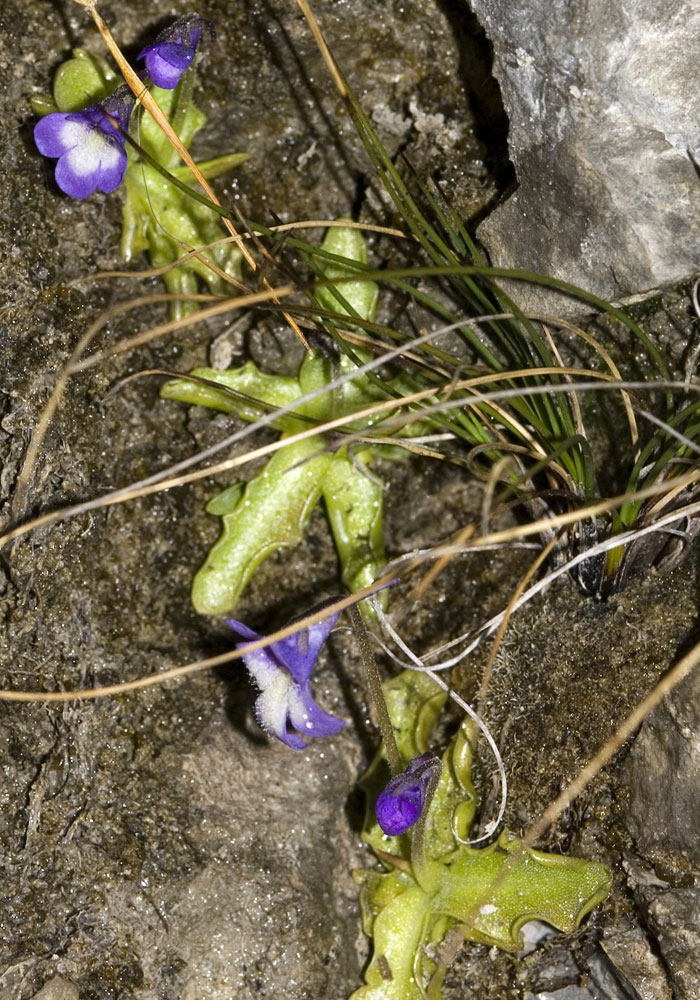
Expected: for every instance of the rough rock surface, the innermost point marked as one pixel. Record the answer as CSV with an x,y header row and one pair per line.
x,y
674,917
663,771
626,965
604,109
156,845
671,913
662,774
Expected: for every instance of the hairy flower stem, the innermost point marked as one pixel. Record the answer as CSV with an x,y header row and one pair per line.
x,y
184,99
396,764
419,861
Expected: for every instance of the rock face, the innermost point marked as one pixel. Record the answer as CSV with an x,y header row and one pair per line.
x,y
663,772
674,917
604,113
158,846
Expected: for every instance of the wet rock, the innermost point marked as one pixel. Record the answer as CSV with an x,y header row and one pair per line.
x,y
671,917
552,968
57,988
271,908
674,917
626,966
603,107
157,845
567,993
662,773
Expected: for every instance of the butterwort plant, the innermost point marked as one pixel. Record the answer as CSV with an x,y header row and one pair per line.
x,y
90,143
85,126
421,806
432,879
270,511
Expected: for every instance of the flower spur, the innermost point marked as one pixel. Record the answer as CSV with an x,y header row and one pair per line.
x,y
282,672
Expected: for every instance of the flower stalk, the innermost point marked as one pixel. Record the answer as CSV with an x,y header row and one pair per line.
x,y
376,692
419,855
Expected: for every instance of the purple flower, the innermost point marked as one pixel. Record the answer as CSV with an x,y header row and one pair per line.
x,y
174,49
89,144
400,805
282,671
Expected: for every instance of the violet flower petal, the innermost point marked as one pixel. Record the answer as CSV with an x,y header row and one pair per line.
x,y
299,651
400,805
166,63
282,671
89,144
110,172
98,162
174,49
309,718
242,630
55,134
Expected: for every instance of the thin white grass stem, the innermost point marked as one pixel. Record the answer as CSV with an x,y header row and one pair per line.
x,y
488,627
154,272
457,550
688,442
493,824
604,382
507,614
247,430
520,531
160,480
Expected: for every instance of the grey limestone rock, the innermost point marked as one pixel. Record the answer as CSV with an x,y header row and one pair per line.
x,y
568,993
604,111
626,966
663,773
674,917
